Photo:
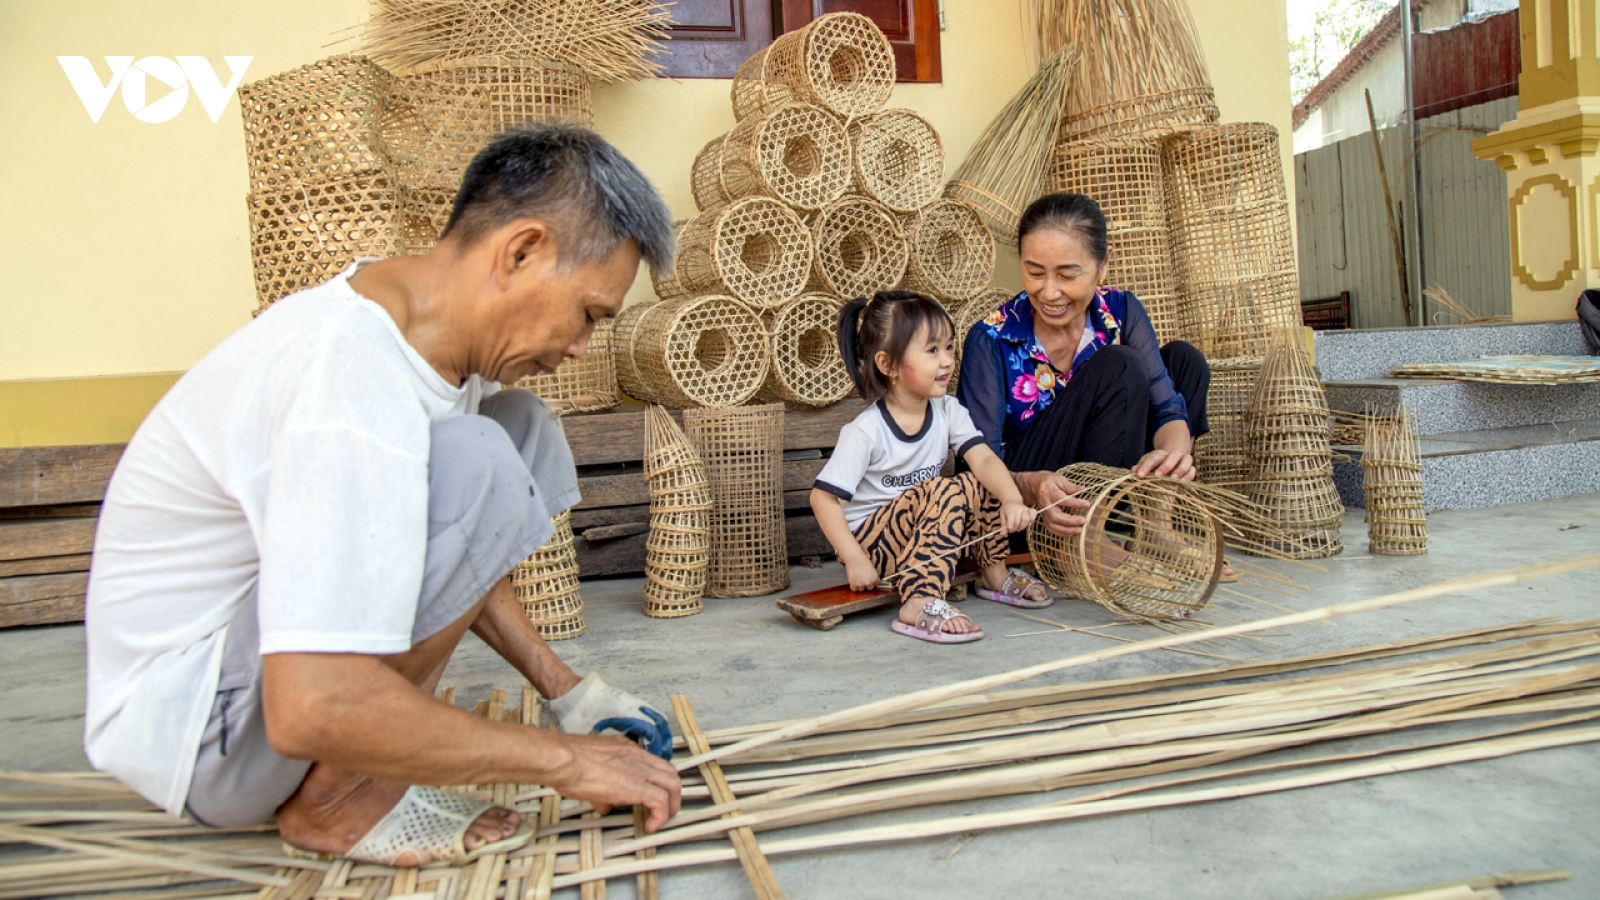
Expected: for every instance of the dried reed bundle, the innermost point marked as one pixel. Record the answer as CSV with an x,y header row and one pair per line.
x,y
586,383
806,366
841,62
1006,166
755,249
1291,461
679,546
1349,429
699,351
743,452
860,248
899,159
1455,307
546,584
798,154
1146,77
610,40
1391,478
952,253
1222,454
969,314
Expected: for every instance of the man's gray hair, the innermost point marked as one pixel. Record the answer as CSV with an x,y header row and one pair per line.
x,y
593,195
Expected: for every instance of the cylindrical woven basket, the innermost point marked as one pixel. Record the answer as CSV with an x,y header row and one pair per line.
x,y
969,314
586,383
755,249
1171,549
318,123
1391,478
806,367
624,334
546,584
1221,455
1290,458
743,452
841,62
952,252
797,153
679,547
1231,244
899,159
860,248
701,351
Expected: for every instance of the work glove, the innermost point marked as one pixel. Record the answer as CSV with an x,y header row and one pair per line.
x,y
594,706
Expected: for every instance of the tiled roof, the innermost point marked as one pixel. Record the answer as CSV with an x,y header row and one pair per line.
x,y
1359,55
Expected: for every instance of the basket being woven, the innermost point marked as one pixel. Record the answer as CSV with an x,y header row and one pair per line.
x,y
700,351
952,253
806,366
678,549
860,248
798,154
743,452
841,62
899,159
755,249
586,383
1391,478
546,584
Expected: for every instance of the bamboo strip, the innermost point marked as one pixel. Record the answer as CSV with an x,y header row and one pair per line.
x,y
589,857
762,879
45,839
1499,880
648,885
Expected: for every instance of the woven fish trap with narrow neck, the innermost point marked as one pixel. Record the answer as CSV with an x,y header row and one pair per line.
x,y
743,452
1391,479
701,351
841,62
1221,455
968,314
1149,549
806,366
582,384
899,159
546,584
798,154
755,249
860,248
678,548
952,252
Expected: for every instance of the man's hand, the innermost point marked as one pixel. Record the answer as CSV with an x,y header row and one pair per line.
x,y
1040,489
1159,463
594,706
607,771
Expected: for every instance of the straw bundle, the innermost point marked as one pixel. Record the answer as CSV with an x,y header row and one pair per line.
x,y
1006,165
1146,77
611,41
969,314
700,351
743,452
1229,216
678,549
755,249
1221,455
899,159
841,62
1291,461
797,153
806,367
1391,478
588,382
952,253
860,248
546,584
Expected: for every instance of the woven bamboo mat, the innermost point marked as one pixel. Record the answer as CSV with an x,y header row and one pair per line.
x,y
1509,370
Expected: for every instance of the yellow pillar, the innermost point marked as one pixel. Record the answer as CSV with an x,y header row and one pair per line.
x,y
1549,155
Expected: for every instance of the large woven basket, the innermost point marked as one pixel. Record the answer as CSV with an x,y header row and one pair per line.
x,y
798,154
546,584
969,314
806,366
1391,479
841,62
860,248
952,252
318,123
586,383
899,159
679,546
755,249
743,452
1221,455
699,351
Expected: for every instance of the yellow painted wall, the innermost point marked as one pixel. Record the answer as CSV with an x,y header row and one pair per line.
x,y
124,248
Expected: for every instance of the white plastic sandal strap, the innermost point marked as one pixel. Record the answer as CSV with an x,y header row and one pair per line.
x,y
430,822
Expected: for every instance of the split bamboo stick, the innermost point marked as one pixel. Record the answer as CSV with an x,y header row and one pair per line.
x,y
762,879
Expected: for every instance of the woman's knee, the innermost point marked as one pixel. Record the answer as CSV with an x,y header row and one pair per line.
x,y
1182,355
1121,366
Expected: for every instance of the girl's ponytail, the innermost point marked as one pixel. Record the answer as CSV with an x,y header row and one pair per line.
x,y
850,343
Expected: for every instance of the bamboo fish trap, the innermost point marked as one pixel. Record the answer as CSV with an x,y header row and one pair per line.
x,y
1391,479
1146,77
1290,458
679,546
699,351
841,62
798,154
899,159
586,383
743,452
755,249
546,584
1005,168
806,366
1221,455
860,248
952,253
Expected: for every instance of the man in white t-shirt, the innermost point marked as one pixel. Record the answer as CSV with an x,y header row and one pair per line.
x,y
309,521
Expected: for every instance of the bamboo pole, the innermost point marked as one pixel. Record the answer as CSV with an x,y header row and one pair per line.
x,y
1388,206
762,879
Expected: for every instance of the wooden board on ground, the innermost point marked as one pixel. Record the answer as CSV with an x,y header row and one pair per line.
x,y
1509,370
824,608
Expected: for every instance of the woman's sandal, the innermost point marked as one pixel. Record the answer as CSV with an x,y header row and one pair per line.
x,y
430,823
1013,591
930,625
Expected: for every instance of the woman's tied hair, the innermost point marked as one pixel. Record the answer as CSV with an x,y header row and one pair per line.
x,y
1076,213
885,323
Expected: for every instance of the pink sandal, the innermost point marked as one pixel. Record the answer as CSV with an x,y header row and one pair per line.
x,y
930,625
1012,591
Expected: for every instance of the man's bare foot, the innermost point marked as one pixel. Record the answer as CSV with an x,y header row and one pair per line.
x,y
333,810
911,614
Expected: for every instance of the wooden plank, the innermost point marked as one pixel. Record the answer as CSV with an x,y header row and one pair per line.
x,y
42,599
63,511
824,607
45,476
35,538
612,532
631,489
49,565
617,435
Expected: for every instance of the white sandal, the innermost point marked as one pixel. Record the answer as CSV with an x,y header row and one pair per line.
x,y
430,823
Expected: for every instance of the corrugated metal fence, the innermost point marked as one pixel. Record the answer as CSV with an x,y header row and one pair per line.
x,y
1344,235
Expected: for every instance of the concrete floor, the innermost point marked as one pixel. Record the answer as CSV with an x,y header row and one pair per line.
x,y
742,661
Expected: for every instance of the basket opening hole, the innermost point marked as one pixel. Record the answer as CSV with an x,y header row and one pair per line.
x,y
760,253
802,157
846,66
950,252
898,162
814,347
856,251
711,349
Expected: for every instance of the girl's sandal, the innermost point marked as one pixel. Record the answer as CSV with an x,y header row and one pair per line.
x,y
930,625
428,822
1013,591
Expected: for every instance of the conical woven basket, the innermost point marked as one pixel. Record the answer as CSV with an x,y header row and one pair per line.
x,y
678,549
899,159
743,452
755,249
952,253
1290,458
700,351
1221,455
546,584
806,366
1391,478
798,154
860,248
841,62
586,383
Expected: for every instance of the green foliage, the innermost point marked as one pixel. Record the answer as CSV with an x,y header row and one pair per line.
x,y
1337,27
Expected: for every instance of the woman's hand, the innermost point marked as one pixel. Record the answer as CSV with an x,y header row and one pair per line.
x,y
1015,517
1164,463
861,574
1041,489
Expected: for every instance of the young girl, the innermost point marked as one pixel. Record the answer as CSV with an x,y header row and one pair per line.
x,y
880,499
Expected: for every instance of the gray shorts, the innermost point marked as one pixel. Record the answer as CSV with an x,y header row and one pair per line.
x,y
494,481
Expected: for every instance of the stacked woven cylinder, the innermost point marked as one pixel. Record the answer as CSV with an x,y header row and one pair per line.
x,y
546,584
1391,479
1288,455
678,549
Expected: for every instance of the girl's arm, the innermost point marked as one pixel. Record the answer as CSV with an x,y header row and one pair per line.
x,y
992,473
830,517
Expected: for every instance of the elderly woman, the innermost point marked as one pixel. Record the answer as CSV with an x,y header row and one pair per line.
x,y
1072,371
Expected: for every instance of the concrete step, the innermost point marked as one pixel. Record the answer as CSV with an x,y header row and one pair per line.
x,y
1356,354
1442,407
1492,467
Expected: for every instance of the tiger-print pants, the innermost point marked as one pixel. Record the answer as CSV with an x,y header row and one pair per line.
x,y
929,521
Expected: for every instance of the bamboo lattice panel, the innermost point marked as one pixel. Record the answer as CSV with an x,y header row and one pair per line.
x,y
1509,370
1221,455
320,122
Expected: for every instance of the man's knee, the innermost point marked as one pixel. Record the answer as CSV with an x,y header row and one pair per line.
x,y
470,458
